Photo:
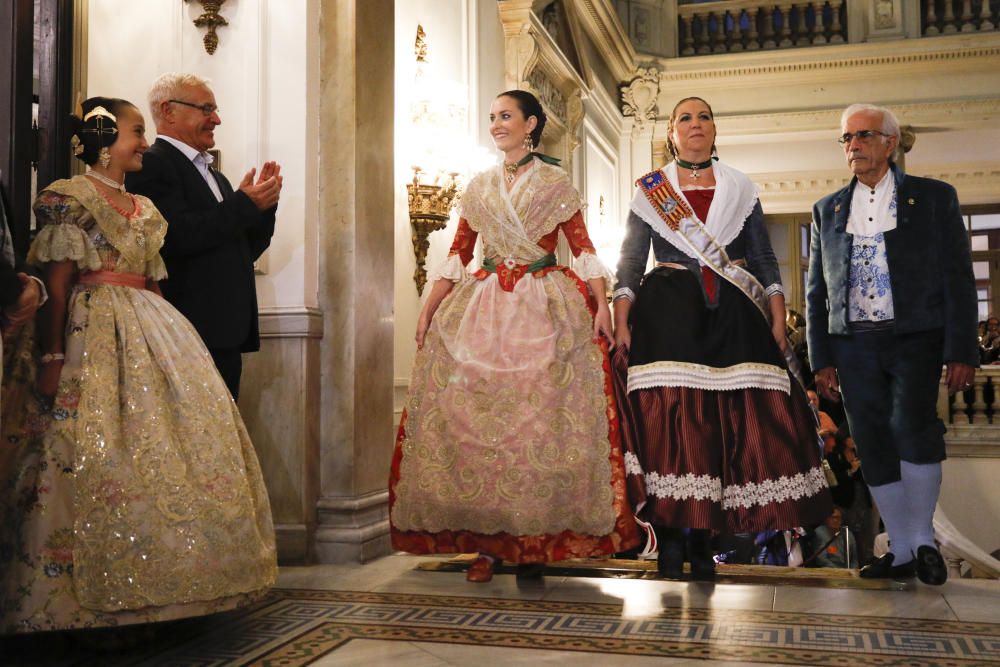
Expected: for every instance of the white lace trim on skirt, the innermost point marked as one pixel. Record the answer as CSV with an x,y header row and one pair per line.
x,y
706,487
699,376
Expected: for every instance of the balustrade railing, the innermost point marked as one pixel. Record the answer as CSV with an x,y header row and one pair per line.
x,y
732,26
948,17
979,406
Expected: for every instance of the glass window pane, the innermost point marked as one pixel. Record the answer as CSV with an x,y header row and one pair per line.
x,y
983,294
980,242
988,221
984,310
981,270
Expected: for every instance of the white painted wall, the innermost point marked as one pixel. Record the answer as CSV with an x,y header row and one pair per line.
x,y
970,500
465,45
259,76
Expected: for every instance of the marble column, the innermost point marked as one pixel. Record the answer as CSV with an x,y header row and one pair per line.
x,y
355,153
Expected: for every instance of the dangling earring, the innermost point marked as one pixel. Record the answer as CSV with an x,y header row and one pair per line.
x,y
104,157
528,144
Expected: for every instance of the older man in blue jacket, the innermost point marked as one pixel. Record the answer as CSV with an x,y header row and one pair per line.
x,y
891,297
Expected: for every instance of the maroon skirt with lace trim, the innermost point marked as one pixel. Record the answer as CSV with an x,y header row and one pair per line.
x,y
727,458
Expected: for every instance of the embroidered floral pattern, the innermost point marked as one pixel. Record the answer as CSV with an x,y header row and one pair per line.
x,y
509,443
869,287
138,497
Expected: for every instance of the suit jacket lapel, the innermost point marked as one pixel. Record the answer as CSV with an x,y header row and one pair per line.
x,y
903,195
224,187
190,171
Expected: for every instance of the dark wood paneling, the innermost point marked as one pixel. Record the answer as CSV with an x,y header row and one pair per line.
x,y
16,140
55,73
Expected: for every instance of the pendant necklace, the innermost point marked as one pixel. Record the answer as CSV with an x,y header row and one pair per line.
x,y
510,168
693,166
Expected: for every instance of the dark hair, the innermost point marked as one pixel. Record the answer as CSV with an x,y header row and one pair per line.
x,y
86,132
529,106
673,116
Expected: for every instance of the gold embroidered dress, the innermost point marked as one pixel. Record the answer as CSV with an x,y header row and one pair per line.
x,y
509,444
138,497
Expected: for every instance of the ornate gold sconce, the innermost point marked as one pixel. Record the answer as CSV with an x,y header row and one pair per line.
x,y
211,19
437,108
429,205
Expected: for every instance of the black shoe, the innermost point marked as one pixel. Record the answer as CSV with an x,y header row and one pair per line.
x,y
530,570
882,568
670,556
930,566
700,554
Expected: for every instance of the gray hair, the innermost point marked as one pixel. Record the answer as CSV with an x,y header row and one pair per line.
x,y
890,124
167,87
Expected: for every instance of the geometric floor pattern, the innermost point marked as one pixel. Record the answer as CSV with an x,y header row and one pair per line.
x,y
393,611
299,627
296,627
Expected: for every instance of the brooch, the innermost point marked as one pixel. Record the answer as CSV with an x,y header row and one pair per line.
x,y
911,201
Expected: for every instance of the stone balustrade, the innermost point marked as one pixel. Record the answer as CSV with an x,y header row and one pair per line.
x,y
731,26
976,407
947,17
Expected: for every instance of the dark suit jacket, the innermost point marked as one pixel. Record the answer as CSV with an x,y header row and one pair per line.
x,y
10,284
210,246
930,269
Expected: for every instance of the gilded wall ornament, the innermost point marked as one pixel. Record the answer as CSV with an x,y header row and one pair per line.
x,y
211,19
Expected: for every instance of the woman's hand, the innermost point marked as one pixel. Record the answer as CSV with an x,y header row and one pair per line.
x,y
47,381
623,336
441,288
423,324
602,323
778,331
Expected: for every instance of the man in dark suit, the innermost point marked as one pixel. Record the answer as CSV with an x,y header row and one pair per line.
x,y
21,289
891,298
214,233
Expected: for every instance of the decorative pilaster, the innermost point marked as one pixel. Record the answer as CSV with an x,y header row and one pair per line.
x,y
520,45
356,71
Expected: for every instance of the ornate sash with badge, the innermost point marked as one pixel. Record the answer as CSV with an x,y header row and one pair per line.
x,y
674,211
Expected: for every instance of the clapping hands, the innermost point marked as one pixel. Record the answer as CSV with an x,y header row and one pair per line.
x,y
266,190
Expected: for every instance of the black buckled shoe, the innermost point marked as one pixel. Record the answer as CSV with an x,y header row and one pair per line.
x,y
670,554
700,554
882,568
930,566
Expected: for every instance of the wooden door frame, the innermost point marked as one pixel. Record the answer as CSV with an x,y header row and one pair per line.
x,y
55,83
16,135
21,147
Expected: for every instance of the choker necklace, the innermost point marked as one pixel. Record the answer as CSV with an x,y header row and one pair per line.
x,y
510,168
110,182
694,166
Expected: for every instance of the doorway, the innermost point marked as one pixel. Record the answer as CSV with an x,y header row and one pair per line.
x,y
36,84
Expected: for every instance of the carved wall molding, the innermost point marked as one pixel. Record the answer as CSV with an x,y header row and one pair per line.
x,y
955,114
535,62
841,57
796,192
600,21
639,97
548,94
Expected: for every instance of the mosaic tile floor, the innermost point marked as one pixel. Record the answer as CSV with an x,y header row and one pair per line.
x,y
389,612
